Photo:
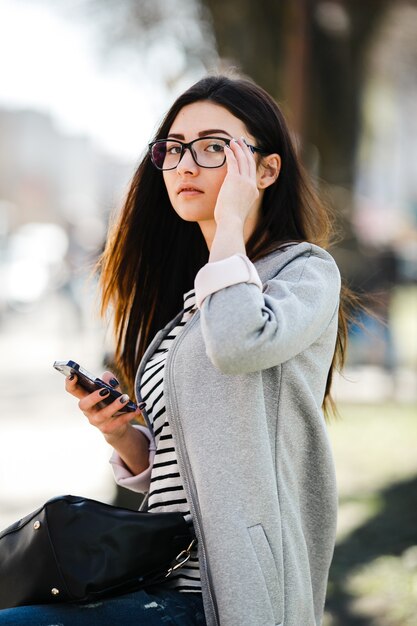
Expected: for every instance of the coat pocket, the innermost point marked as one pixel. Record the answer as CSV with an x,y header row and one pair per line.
x,y
269,570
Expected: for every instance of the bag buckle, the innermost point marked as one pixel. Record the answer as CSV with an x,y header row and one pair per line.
x,y
181,558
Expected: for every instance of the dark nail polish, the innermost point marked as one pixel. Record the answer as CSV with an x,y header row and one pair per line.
x,y
124,398
114,382
103,392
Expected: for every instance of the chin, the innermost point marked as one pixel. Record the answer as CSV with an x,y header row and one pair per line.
x,y
190,214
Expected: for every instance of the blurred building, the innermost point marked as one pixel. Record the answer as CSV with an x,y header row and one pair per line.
x,y
56,192
47,176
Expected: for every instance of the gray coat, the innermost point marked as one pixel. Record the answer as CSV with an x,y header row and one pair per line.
x,y
244,385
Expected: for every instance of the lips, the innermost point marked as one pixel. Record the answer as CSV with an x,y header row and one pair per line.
x,y
189,189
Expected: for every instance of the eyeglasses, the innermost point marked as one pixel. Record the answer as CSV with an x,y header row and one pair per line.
x,y
206,152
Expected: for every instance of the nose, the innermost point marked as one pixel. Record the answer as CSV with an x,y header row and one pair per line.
x,y
187,163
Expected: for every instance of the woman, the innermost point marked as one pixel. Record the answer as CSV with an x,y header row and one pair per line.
x,y
235,384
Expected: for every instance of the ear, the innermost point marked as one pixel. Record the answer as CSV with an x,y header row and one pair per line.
x,y
268,170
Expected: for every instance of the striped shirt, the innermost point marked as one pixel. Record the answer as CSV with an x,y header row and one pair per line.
x,y
166,492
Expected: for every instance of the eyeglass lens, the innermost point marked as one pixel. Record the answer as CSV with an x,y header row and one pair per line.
x,y
207,152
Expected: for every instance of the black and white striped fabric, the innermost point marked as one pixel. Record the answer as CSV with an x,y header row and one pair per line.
x,y
166,491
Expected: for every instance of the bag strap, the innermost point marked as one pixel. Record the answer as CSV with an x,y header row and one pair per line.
x,y
181,558
144,504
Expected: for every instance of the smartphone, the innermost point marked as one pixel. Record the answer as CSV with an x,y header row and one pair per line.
x,y
91,383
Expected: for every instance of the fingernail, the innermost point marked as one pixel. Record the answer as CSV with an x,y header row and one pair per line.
x,y
114,382
103,392
124,398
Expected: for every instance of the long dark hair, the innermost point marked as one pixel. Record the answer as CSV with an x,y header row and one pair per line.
x,y
152,255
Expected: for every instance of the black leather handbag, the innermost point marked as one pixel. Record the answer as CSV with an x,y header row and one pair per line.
x,y
76,549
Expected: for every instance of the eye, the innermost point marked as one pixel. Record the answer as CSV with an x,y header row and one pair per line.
x,y
173,148
215,146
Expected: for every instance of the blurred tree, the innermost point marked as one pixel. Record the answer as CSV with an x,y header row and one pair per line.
x,y
310,55
162,38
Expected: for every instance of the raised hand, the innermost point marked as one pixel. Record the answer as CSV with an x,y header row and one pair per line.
x,y
237,206
239,192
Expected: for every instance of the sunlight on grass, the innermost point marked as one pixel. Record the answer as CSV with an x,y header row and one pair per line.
x,y
374,445
387,589
374,572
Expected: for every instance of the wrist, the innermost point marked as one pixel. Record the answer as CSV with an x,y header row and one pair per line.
x,y
228,238
114,439
230,221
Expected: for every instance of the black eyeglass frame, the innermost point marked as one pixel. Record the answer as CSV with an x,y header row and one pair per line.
x,y
184,147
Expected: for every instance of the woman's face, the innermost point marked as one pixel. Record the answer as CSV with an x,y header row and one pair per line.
x,y
192,189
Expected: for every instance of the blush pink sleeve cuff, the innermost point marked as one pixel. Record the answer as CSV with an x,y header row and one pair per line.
x,y
124,476
220,274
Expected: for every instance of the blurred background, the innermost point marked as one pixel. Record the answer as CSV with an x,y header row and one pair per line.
x,y
83,85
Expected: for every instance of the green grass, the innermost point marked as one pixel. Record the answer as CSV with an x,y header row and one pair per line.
x,y
373,579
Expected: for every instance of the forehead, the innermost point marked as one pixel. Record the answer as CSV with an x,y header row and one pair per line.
x,y
202,116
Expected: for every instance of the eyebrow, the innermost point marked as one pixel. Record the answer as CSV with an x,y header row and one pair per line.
x,y
202,133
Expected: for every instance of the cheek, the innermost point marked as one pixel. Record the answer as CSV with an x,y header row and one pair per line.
x,y
169,183
217,180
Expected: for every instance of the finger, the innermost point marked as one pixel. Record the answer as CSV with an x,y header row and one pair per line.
x,y
74,389
110,424
249,160
110,416
137,413
110,379
89,404
231,161
240,156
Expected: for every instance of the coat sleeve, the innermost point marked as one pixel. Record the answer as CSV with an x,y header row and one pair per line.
x,y
246,329
124,477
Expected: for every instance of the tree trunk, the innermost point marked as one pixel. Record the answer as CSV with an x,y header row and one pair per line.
x,y
309,55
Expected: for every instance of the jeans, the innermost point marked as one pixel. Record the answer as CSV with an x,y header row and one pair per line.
x,y
156,606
